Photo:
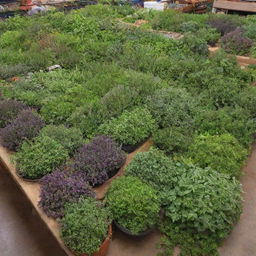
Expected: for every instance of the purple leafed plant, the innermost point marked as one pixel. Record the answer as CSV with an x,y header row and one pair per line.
x,y
236,42
99,160
25,127
61,187
9,109
223,25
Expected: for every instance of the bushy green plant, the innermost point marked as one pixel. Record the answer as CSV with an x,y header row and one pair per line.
x,y
222,153
134,205
236,121
172,139
155,169
69,138
131,127
172,107
85,226
57,111
203,207
38,158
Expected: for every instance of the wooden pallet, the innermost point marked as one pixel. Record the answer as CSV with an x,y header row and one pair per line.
x,y
241,6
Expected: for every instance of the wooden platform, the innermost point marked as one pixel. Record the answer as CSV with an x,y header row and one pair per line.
x,y
242,6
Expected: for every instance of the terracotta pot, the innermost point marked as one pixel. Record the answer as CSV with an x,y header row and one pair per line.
x,y
129,233
104,246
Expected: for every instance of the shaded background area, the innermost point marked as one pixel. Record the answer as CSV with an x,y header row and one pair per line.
x,y
21,230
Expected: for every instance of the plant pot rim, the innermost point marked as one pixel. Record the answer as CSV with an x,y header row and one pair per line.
x,y
129,233
27,179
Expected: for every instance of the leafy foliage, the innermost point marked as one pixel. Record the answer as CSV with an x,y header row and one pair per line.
x,y
235,42
9,110
131,127
172,107
81,220
134,205
173,139
59,188
38,158
25,127
222,153
203,206
98,160
155,169
69,138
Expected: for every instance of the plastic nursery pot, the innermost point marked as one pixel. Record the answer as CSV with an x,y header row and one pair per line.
x,y
130,148
104,246
26,179
129,233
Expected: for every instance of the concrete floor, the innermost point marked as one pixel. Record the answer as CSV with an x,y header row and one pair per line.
x,y
21,230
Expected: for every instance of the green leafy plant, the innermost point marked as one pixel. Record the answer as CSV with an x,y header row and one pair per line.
x,y
173,139
38,158
85,226
172,107
131,127
155,169
69,138
203,207
134,205
222,153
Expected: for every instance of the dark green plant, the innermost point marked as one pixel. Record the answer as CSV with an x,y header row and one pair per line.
x,y
38,158
131,127
85,226
222,153
173,139
70,138
134,205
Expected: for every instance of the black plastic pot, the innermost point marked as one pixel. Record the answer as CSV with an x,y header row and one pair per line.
x,y
27,179
129,233
131,148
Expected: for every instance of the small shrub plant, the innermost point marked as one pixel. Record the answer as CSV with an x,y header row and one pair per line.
x,y
38,158
98,160
85,225
131,128
134,205
236,42
70,138
222,153
9,110
203,207
26,126
59,188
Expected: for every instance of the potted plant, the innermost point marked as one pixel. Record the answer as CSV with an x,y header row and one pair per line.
x,y
98,160
86,227
60,187
135,206
130,129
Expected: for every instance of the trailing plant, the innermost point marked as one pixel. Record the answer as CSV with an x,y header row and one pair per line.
x,y
59,188
85,225
9,110
131,128
26,126
134,205
235,42
38,158
70,138
222,153
203,207
98,160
